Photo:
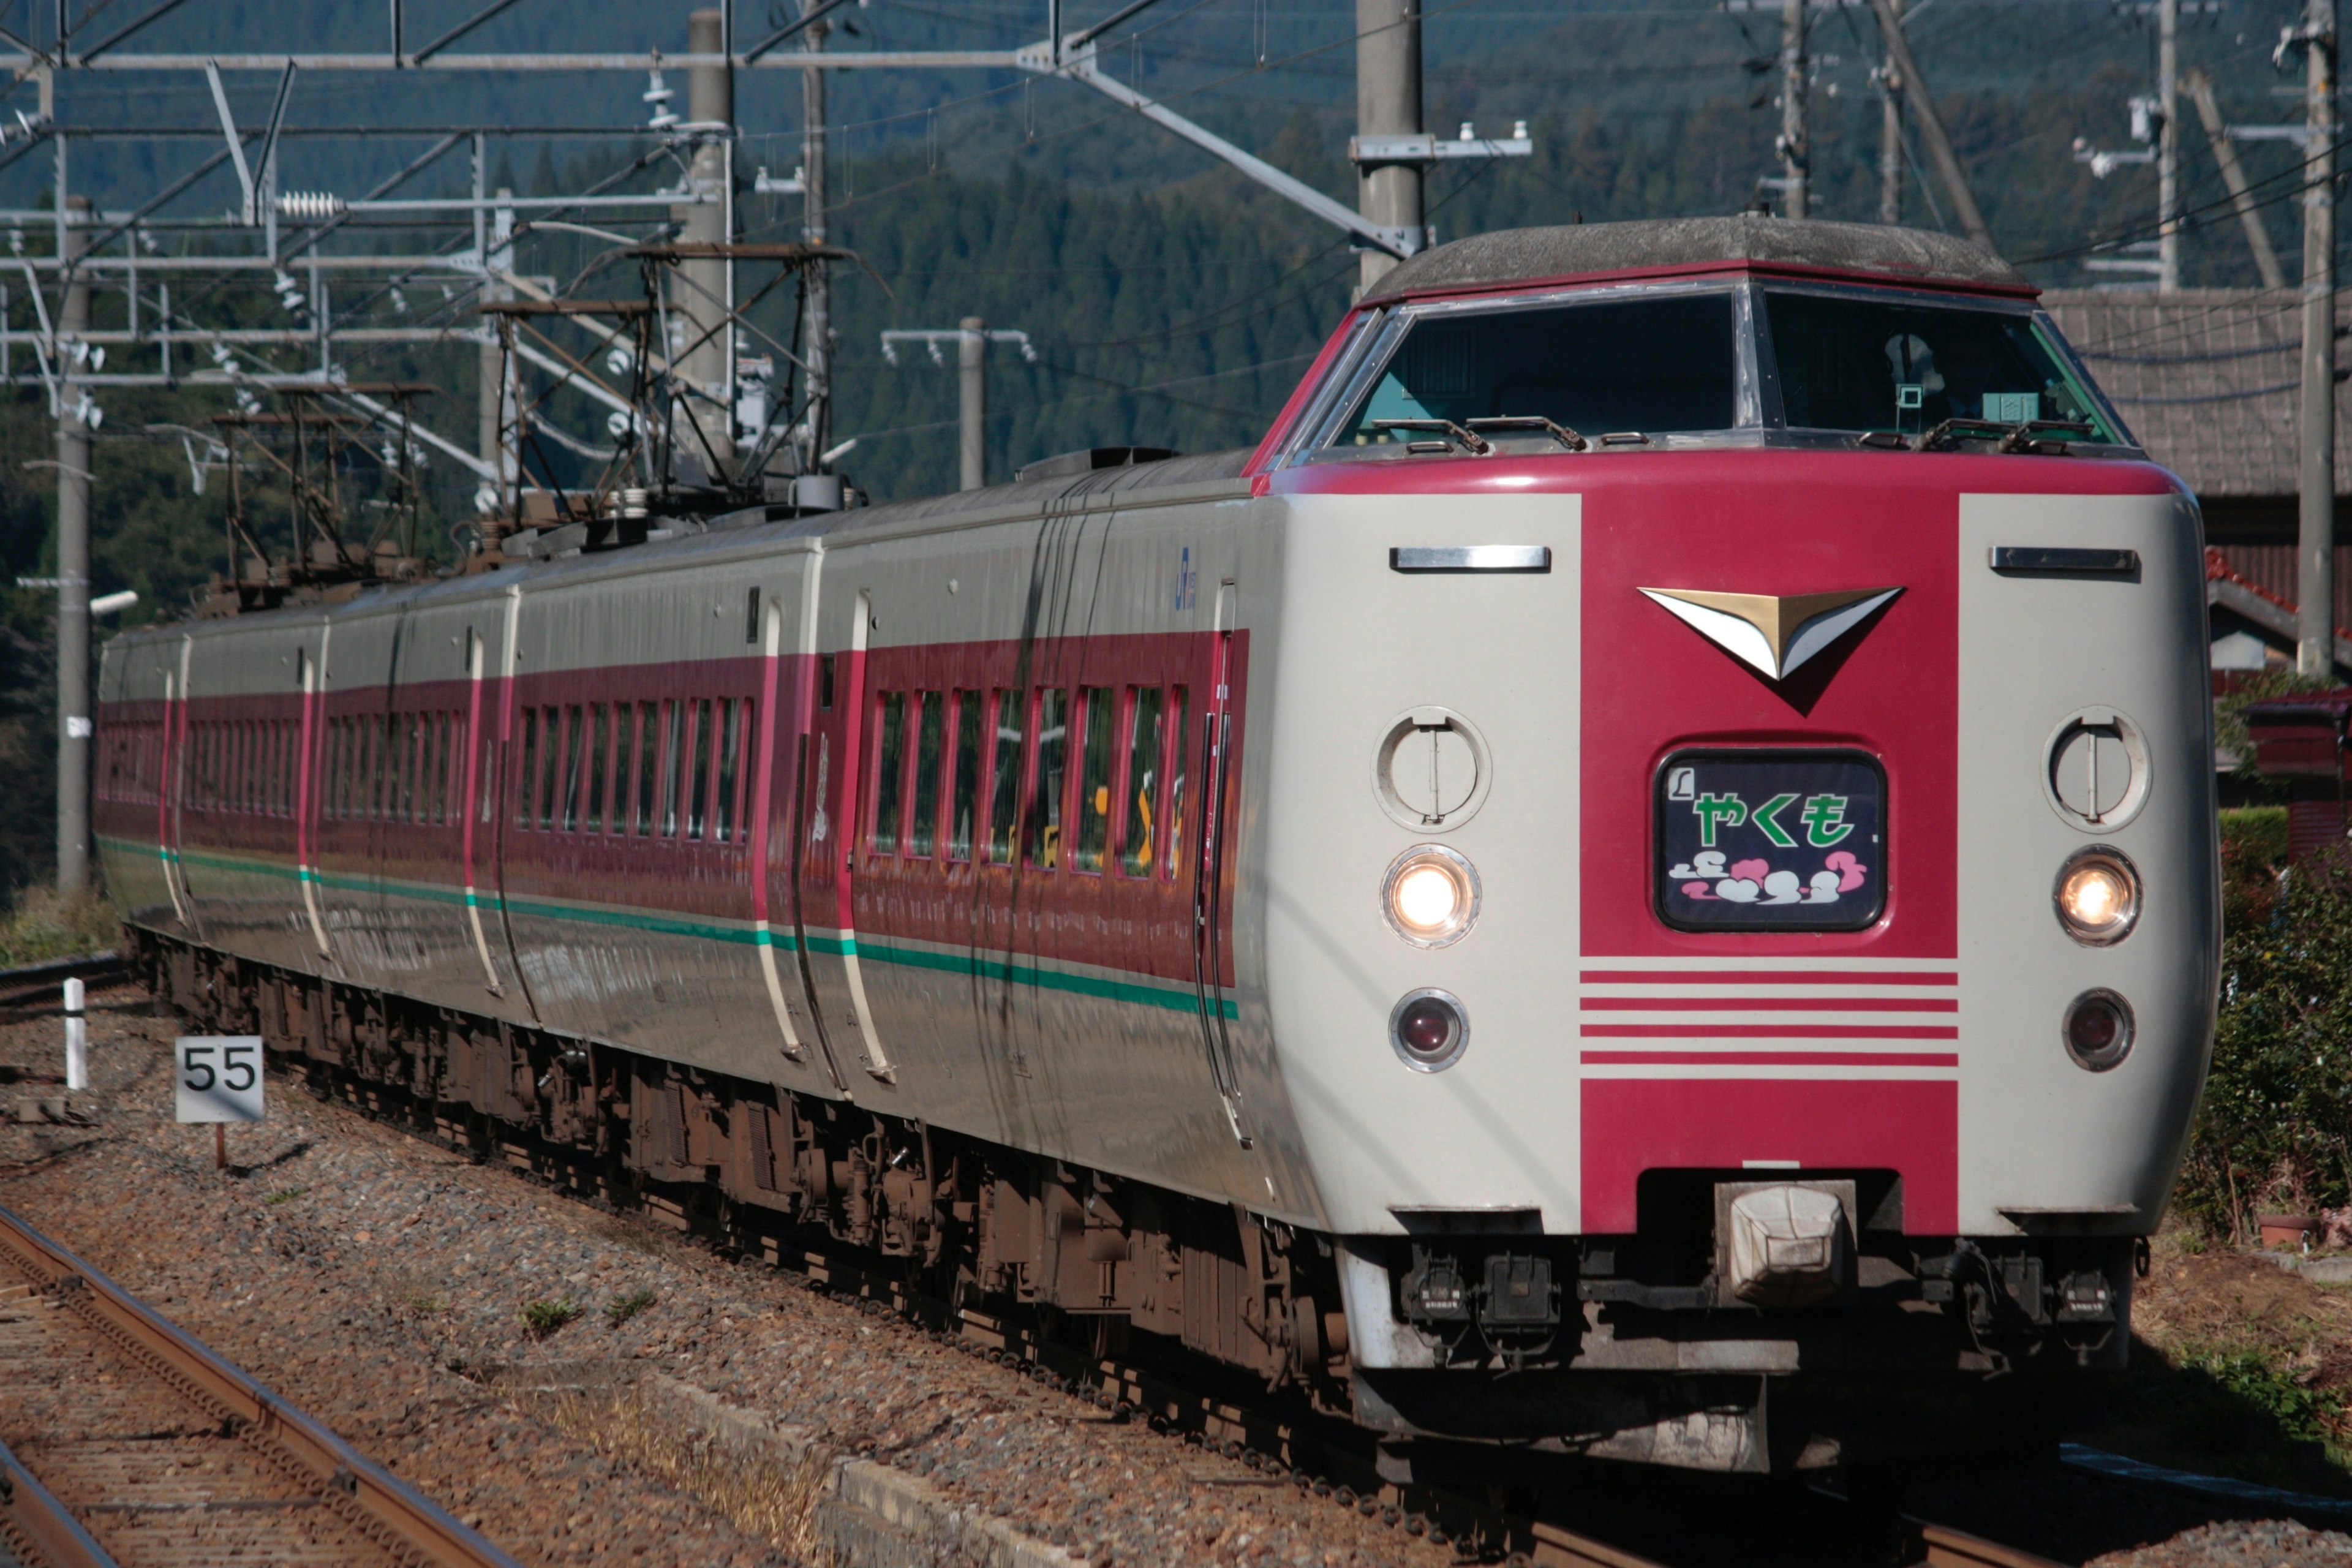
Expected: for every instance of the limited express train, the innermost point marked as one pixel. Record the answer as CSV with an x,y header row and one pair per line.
x,y
1640,878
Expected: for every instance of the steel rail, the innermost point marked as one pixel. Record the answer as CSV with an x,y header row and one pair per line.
x,y
36,1527
379,1504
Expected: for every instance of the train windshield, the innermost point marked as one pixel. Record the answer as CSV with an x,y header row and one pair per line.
x,y
1660,365
1852,363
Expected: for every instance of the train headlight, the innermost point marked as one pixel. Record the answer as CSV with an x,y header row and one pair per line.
x,y
2098,1029
2097,896
1429,1029
1430,896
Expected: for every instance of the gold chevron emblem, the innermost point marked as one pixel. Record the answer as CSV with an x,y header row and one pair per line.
x,y
1774,633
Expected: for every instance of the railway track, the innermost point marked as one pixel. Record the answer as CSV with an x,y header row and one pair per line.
x,y
125,1442
1652,1521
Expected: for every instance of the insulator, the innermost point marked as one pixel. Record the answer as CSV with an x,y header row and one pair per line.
x,y
311,205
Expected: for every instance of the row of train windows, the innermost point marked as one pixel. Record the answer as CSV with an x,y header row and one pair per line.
x,y
396,767
667,769
133,768
1131,745
243,765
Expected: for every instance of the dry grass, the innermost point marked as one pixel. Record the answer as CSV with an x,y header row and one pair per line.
x,y
44,925
774,1502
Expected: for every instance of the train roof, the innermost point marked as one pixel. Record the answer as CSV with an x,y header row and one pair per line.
x,y
1586,252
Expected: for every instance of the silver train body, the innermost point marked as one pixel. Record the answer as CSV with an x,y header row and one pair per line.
x,y
1647,859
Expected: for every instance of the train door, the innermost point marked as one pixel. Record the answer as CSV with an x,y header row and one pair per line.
x,y
825,841
306,792
776,796
1211,865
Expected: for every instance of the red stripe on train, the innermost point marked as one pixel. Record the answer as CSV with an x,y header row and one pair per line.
x,y
1769,1004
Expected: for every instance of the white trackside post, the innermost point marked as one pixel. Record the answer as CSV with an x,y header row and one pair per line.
x,y
77,1040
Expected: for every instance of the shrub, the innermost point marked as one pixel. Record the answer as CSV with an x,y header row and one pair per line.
x,y
46,924
540,1319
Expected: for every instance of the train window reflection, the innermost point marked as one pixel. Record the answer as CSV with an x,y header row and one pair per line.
x,y
1004,783
674,750
1849,363
1657,364
551,751
1143,740
1045,805
738,720
572,750
526,772
1093,779
698,803
891,773
648,738
927,742
964,792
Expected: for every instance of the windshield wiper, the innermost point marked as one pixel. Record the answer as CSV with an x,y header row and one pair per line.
x,y
1476,445
1559,433
2023,436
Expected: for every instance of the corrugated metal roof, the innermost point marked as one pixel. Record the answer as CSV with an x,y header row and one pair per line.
x,y
2209,379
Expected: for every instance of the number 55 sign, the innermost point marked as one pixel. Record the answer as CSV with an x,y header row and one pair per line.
x,y
219,1077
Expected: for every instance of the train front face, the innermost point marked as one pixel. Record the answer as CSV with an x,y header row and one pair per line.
x,y
1741,919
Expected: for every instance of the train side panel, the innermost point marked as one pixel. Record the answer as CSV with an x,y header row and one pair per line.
x,y
137,685
2050,1147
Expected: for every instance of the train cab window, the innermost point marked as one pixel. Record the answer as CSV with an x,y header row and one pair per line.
x,y
735,722
1658,364
1144,714
1045,830
1094,778
889,770
1852,363
1004,783
963,787
1180,746
598,722
930,737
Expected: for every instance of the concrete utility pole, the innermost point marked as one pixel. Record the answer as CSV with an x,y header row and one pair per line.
x,y
2168,146
1954,178
2315,582
971,403
74,727
1890,135
2199,88
818,350
1793,69
1387,103
704,293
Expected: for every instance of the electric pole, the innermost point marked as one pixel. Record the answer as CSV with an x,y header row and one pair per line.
x,y
1793,68
706,368
2316,583
74,727
1931,124
2168,147
972,372
1388,104
1890,135
818,350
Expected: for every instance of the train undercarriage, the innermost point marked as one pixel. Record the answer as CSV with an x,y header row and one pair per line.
x,y
1515,1345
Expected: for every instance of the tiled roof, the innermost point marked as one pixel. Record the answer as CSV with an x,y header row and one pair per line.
x,y
2209,380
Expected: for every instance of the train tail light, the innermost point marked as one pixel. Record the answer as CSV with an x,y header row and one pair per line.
x,y
2098,1029
1429,1029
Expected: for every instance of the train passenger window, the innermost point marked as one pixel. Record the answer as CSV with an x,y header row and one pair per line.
x,y
551,763
1848,363
412,746
597,723
527,771
1044,833
1657,364
648,738
446,728
825,682
573,744
963,790
674,765
1143,744
734,718
930,734
1005,781
1180,747
889,772
698,804
1094,778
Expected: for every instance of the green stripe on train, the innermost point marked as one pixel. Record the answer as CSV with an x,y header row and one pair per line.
x,y
868,949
